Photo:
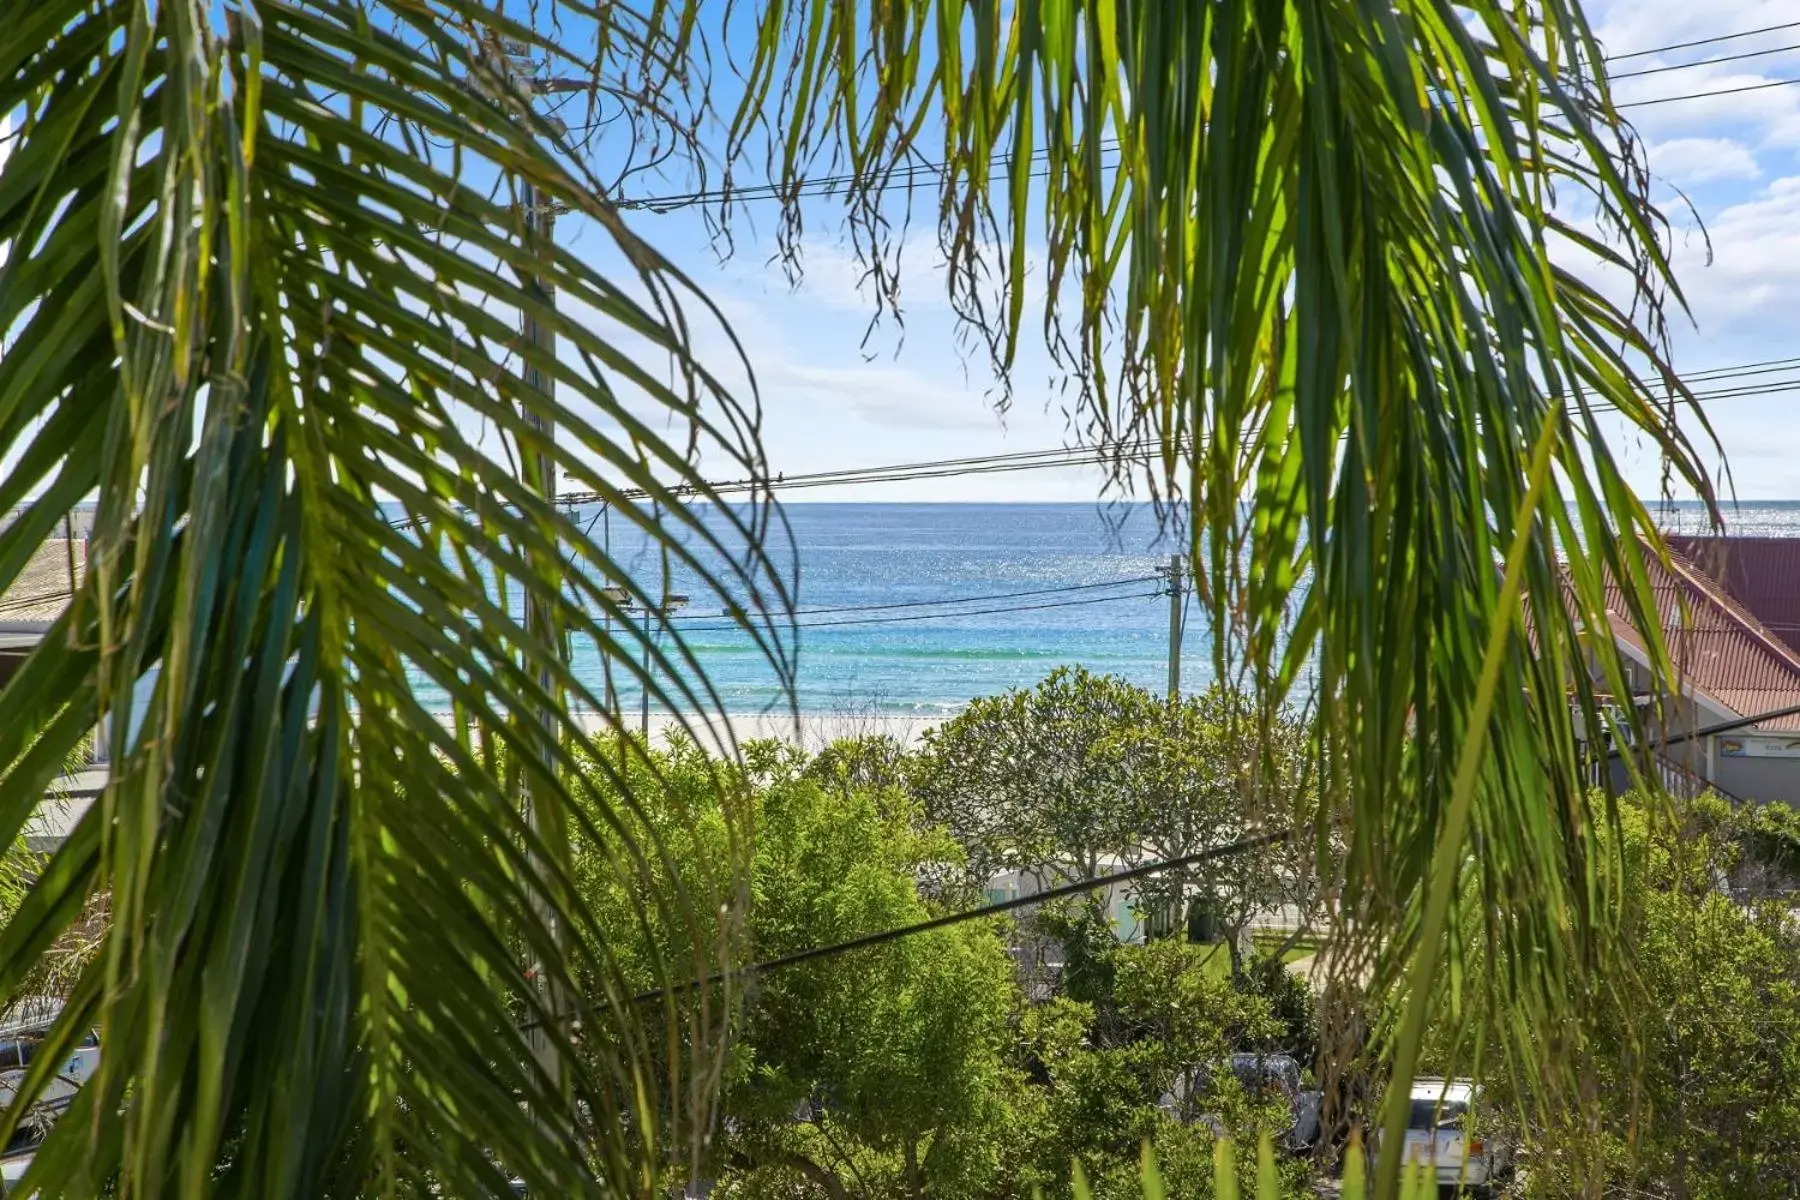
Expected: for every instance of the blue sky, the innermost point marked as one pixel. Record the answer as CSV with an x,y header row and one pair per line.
x,y
831,401
836,395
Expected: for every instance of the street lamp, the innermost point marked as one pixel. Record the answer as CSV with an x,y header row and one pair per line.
x,y
622,598
672,603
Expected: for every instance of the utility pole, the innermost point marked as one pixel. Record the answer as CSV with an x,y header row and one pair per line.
x,y
539,476
673,602
1177,593
619,596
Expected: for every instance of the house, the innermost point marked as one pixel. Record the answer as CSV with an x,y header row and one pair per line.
x,y
1731,663
36,599
28,609
1118,899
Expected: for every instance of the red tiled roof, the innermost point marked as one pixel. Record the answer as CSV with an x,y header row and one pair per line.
x,y
1760,573
1722,651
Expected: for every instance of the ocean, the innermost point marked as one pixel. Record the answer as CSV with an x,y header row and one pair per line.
x,y
912,610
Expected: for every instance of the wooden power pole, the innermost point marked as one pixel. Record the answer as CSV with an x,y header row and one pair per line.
x,y
539,474
1177,594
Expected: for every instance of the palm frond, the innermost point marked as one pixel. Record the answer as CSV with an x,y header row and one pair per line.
x,y
260,294
1313,251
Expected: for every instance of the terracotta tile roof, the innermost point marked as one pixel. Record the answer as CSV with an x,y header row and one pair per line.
x,y
1761,573
1723,652
41,591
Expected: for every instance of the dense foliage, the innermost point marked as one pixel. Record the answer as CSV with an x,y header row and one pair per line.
x,y
1702,1084
1086,773
924,1068
920,1067
265,270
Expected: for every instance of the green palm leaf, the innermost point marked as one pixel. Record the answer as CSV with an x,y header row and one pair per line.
x,y
1306,250
251,311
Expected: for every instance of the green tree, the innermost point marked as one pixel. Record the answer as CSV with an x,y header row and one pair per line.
x,y
1038,780
1142,1056
885,1071
1702,1087
260,282
1085,772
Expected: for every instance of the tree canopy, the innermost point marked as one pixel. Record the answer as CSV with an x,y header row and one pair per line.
x,y
1702,1082
1086,773
919,1067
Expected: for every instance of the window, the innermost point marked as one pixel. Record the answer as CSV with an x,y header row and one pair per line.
x,y
1429,1114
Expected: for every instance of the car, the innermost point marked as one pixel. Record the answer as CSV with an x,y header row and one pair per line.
x,y
23,1031
1279,1074
1442,1133
1265,1075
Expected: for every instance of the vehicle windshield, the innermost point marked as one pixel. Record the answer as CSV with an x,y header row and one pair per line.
x,y
1430,1114
1257,1072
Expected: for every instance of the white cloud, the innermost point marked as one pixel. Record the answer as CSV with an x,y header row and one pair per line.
x,y
1688,161
833,273
1630,26
884,396
1640,29
1754,275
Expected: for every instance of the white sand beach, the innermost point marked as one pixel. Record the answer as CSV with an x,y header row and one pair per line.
x,y
812,731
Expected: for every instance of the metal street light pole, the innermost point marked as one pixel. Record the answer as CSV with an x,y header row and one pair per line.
x,y
673,602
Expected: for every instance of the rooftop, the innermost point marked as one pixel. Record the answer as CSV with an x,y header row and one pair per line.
x,y
42,590
1724,653
1761,573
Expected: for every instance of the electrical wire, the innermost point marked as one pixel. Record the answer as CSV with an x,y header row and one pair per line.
x,y
933,616
1080,456
909,173
1760,367
998,908
1723,37
1704,62
1073,587
1022,460
1751,87
1061,892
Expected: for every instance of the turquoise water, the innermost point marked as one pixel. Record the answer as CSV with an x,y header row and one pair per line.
x,y
951,625
1092,598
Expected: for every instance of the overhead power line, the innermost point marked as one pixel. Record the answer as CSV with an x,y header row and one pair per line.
x,y
1072,587
1761,367
1086,456
1706,62
1024,460
902,175
1061,892
935,616
1033,460
1708,41
1064,891
1749,87
999,908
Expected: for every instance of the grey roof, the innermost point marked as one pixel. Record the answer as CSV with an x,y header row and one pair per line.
x,y
42,589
